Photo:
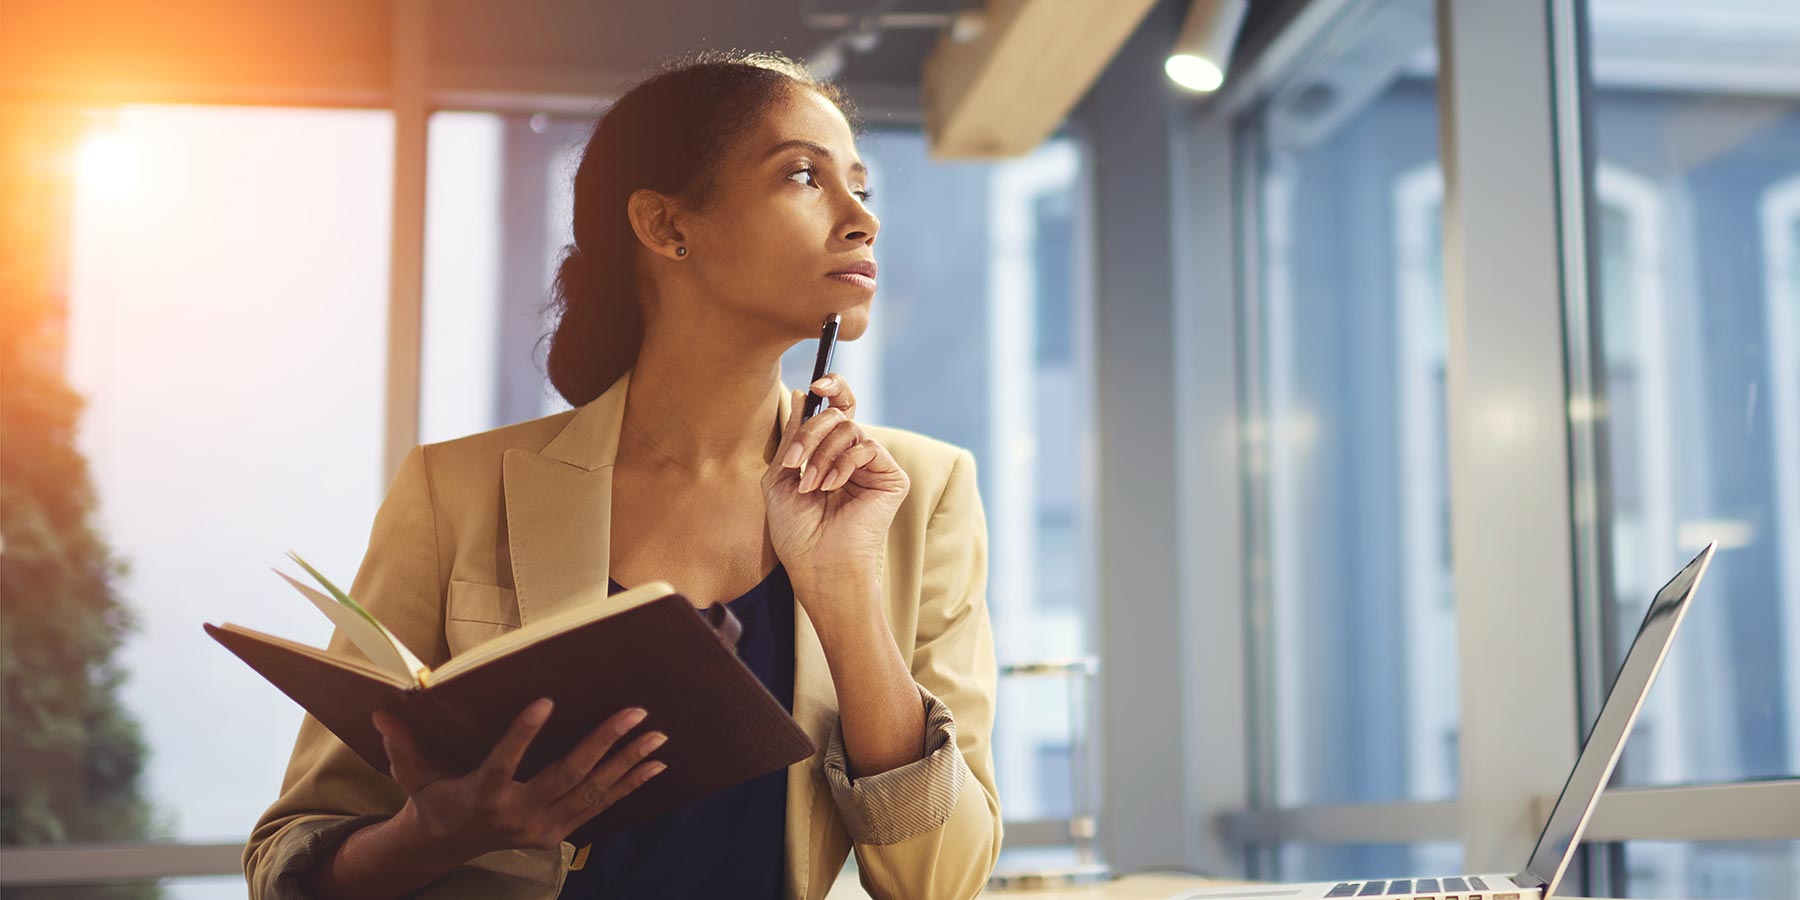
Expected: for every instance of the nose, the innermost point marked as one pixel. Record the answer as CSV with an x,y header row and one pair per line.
x,y
864,228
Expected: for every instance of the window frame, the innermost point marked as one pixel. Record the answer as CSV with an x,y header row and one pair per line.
x,y
1512,81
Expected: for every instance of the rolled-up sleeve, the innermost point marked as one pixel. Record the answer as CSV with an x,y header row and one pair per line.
x,y
294,851
891,806
931,828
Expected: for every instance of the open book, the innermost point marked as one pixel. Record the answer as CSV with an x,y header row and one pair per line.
x,y
647,646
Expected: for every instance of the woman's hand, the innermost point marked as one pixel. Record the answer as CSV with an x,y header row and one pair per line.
x,y
464,816
829,525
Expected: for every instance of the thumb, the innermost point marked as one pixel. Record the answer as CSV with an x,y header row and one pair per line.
x,y
404,764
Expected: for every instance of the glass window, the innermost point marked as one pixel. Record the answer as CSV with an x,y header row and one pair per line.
x,y
1695,128
227,329
1714,870
497,215
1697,193
975,338
1350,515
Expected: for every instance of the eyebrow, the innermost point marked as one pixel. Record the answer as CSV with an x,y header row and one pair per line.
x,y
820,149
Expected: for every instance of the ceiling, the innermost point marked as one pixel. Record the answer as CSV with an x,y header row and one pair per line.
x,y
340,52
633,36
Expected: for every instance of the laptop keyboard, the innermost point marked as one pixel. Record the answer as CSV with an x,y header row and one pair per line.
x,y
1469,888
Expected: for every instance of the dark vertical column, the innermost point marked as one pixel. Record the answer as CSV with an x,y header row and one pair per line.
x,y
1129,119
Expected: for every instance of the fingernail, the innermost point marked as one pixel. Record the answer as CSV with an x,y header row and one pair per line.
x,y
656,769
793,456
541,711
806,481
655,741
822,383
636,715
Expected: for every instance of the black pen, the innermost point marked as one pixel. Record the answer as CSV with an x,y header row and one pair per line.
x,y
821,364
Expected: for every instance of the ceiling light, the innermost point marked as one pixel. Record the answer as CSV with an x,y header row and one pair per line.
x,y
1202,52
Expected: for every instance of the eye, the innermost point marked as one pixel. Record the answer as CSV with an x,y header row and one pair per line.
x,y
865,196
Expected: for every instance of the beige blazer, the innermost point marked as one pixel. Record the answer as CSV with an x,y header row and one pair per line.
x,y
482,534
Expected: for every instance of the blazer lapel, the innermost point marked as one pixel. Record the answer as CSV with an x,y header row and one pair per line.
x,y
559,531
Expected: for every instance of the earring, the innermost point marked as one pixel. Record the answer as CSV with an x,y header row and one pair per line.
x,y
680,251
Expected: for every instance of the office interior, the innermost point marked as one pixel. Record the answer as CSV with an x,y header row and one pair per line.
x,y
1345,376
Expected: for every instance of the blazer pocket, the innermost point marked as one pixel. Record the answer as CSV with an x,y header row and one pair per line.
x,y
475,612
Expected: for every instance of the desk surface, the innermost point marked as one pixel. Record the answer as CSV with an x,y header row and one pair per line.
x,y
1143,886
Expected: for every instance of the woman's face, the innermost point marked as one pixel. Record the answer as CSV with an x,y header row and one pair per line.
x,y
787,212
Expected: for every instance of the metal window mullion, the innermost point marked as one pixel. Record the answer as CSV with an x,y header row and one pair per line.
x,y
1512,552
1749,811
1590,482
1746,811
406,262
1259,669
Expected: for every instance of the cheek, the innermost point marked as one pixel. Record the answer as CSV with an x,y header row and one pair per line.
x,y
771,237
777,247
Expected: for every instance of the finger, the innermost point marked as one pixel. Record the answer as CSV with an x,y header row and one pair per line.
x,y
557,780
830,447
837,393
503,760
807,438
610,781
859,455
631,781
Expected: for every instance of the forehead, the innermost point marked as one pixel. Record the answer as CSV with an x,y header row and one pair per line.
x,y
809,119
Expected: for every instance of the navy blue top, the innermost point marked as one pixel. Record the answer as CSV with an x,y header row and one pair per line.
x,y
728,843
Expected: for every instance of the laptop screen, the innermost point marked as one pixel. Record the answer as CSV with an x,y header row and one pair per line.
x,y
1601,750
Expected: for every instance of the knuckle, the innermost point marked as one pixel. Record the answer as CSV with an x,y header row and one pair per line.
x,y
590,795
568,778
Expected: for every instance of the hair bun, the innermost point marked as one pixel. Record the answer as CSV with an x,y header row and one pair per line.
x,y
577,273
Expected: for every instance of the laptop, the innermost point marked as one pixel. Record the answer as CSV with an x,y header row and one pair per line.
x,y
1562,833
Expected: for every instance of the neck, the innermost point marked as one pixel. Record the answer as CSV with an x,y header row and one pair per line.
x,y
702,402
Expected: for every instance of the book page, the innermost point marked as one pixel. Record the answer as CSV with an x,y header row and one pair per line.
x,y
592,604
342,662
369,636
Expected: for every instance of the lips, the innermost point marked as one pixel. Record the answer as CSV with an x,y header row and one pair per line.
x,y
865,268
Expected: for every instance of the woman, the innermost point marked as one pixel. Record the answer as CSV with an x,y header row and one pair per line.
x,y
714,205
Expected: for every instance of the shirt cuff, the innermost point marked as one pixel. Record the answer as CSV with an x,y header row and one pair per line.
x,y
303,846
892,806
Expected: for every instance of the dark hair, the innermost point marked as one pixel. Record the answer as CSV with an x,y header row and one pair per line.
x,y
667,133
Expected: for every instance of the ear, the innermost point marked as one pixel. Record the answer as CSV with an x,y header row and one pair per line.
x,y
654,218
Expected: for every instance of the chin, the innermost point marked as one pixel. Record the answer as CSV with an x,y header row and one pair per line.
x,y
855,321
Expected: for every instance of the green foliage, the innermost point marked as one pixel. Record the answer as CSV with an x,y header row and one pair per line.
x,y
73,757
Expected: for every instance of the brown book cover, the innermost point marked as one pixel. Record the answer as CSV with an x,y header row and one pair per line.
x,y
647,646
